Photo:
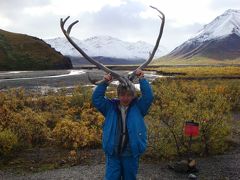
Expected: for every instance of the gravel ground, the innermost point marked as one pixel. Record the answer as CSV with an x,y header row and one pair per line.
x,y
221,167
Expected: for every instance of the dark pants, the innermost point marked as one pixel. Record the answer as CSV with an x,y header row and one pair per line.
x,y
121,167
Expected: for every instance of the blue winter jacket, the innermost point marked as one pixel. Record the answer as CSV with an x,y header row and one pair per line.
x,y
136,127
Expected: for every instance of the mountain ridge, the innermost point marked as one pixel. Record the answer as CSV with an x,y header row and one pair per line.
x,y
218,40
107,46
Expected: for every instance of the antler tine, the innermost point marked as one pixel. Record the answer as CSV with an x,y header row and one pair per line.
x,y
91,60
158,11
62,23
151,54
70,26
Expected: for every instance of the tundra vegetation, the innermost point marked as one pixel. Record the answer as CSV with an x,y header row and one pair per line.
x,y
23,52
67,120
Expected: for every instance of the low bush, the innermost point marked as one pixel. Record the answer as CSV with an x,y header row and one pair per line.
x,y
179,101
8,141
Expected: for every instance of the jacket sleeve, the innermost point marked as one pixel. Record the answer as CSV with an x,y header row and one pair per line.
x,y
145,100
99,100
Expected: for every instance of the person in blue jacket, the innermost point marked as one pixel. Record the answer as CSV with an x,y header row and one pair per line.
x,y
124,130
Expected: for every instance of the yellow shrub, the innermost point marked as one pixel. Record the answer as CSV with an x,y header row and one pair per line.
x,y
71,134
177,101
30,128
85,132
8,140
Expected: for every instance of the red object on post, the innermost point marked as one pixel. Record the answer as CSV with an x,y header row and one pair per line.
x,y
191,128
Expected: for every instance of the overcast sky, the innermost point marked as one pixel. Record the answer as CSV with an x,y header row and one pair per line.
x,y
130,20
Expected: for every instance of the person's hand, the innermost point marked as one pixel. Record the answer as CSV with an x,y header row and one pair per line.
x,y
108,78
139,73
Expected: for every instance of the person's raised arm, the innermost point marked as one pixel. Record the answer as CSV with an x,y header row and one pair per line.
x,y
145,100
99,100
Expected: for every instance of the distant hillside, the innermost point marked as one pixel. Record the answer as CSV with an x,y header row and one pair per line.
x,y
23,52
79,61
218,41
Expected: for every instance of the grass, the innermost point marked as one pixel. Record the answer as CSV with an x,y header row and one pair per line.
x,y
200,71
196,61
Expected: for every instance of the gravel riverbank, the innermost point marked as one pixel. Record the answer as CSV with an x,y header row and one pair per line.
x,y
34,80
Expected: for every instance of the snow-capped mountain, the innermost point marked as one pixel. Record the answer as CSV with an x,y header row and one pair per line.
x,y
106,46
223,25
220,39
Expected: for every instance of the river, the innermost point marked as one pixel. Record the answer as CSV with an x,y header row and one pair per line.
x,y
56,79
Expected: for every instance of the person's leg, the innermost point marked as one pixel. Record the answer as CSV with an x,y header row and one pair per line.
x,y
113,168
130,167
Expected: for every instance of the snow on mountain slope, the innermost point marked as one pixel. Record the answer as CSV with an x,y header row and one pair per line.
x,y
223,25
106,46
62,45
220,39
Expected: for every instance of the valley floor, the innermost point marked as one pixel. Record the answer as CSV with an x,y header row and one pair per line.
x,y
219,167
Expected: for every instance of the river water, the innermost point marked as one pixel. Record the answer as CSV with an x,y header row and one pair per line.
x,y
56,79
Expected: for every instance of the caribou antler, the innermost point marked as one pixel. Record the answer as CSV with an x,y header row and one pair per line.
x,y
151,55
124,80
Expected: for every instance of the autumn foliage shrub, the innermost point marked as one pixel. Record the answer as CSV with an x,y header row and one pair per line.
x,y
31,127
74,134
178,101
69,119
70,134
8,141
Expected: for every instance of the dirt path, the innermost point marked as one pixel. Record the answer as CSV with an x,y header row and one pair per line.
x,y
217,167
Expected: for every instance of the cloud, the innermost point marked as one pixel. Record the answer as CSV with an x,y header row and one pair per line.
x,y
121,19
223,5
126,22
115,20
175,36
12,8
130,20
12,12
31,17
